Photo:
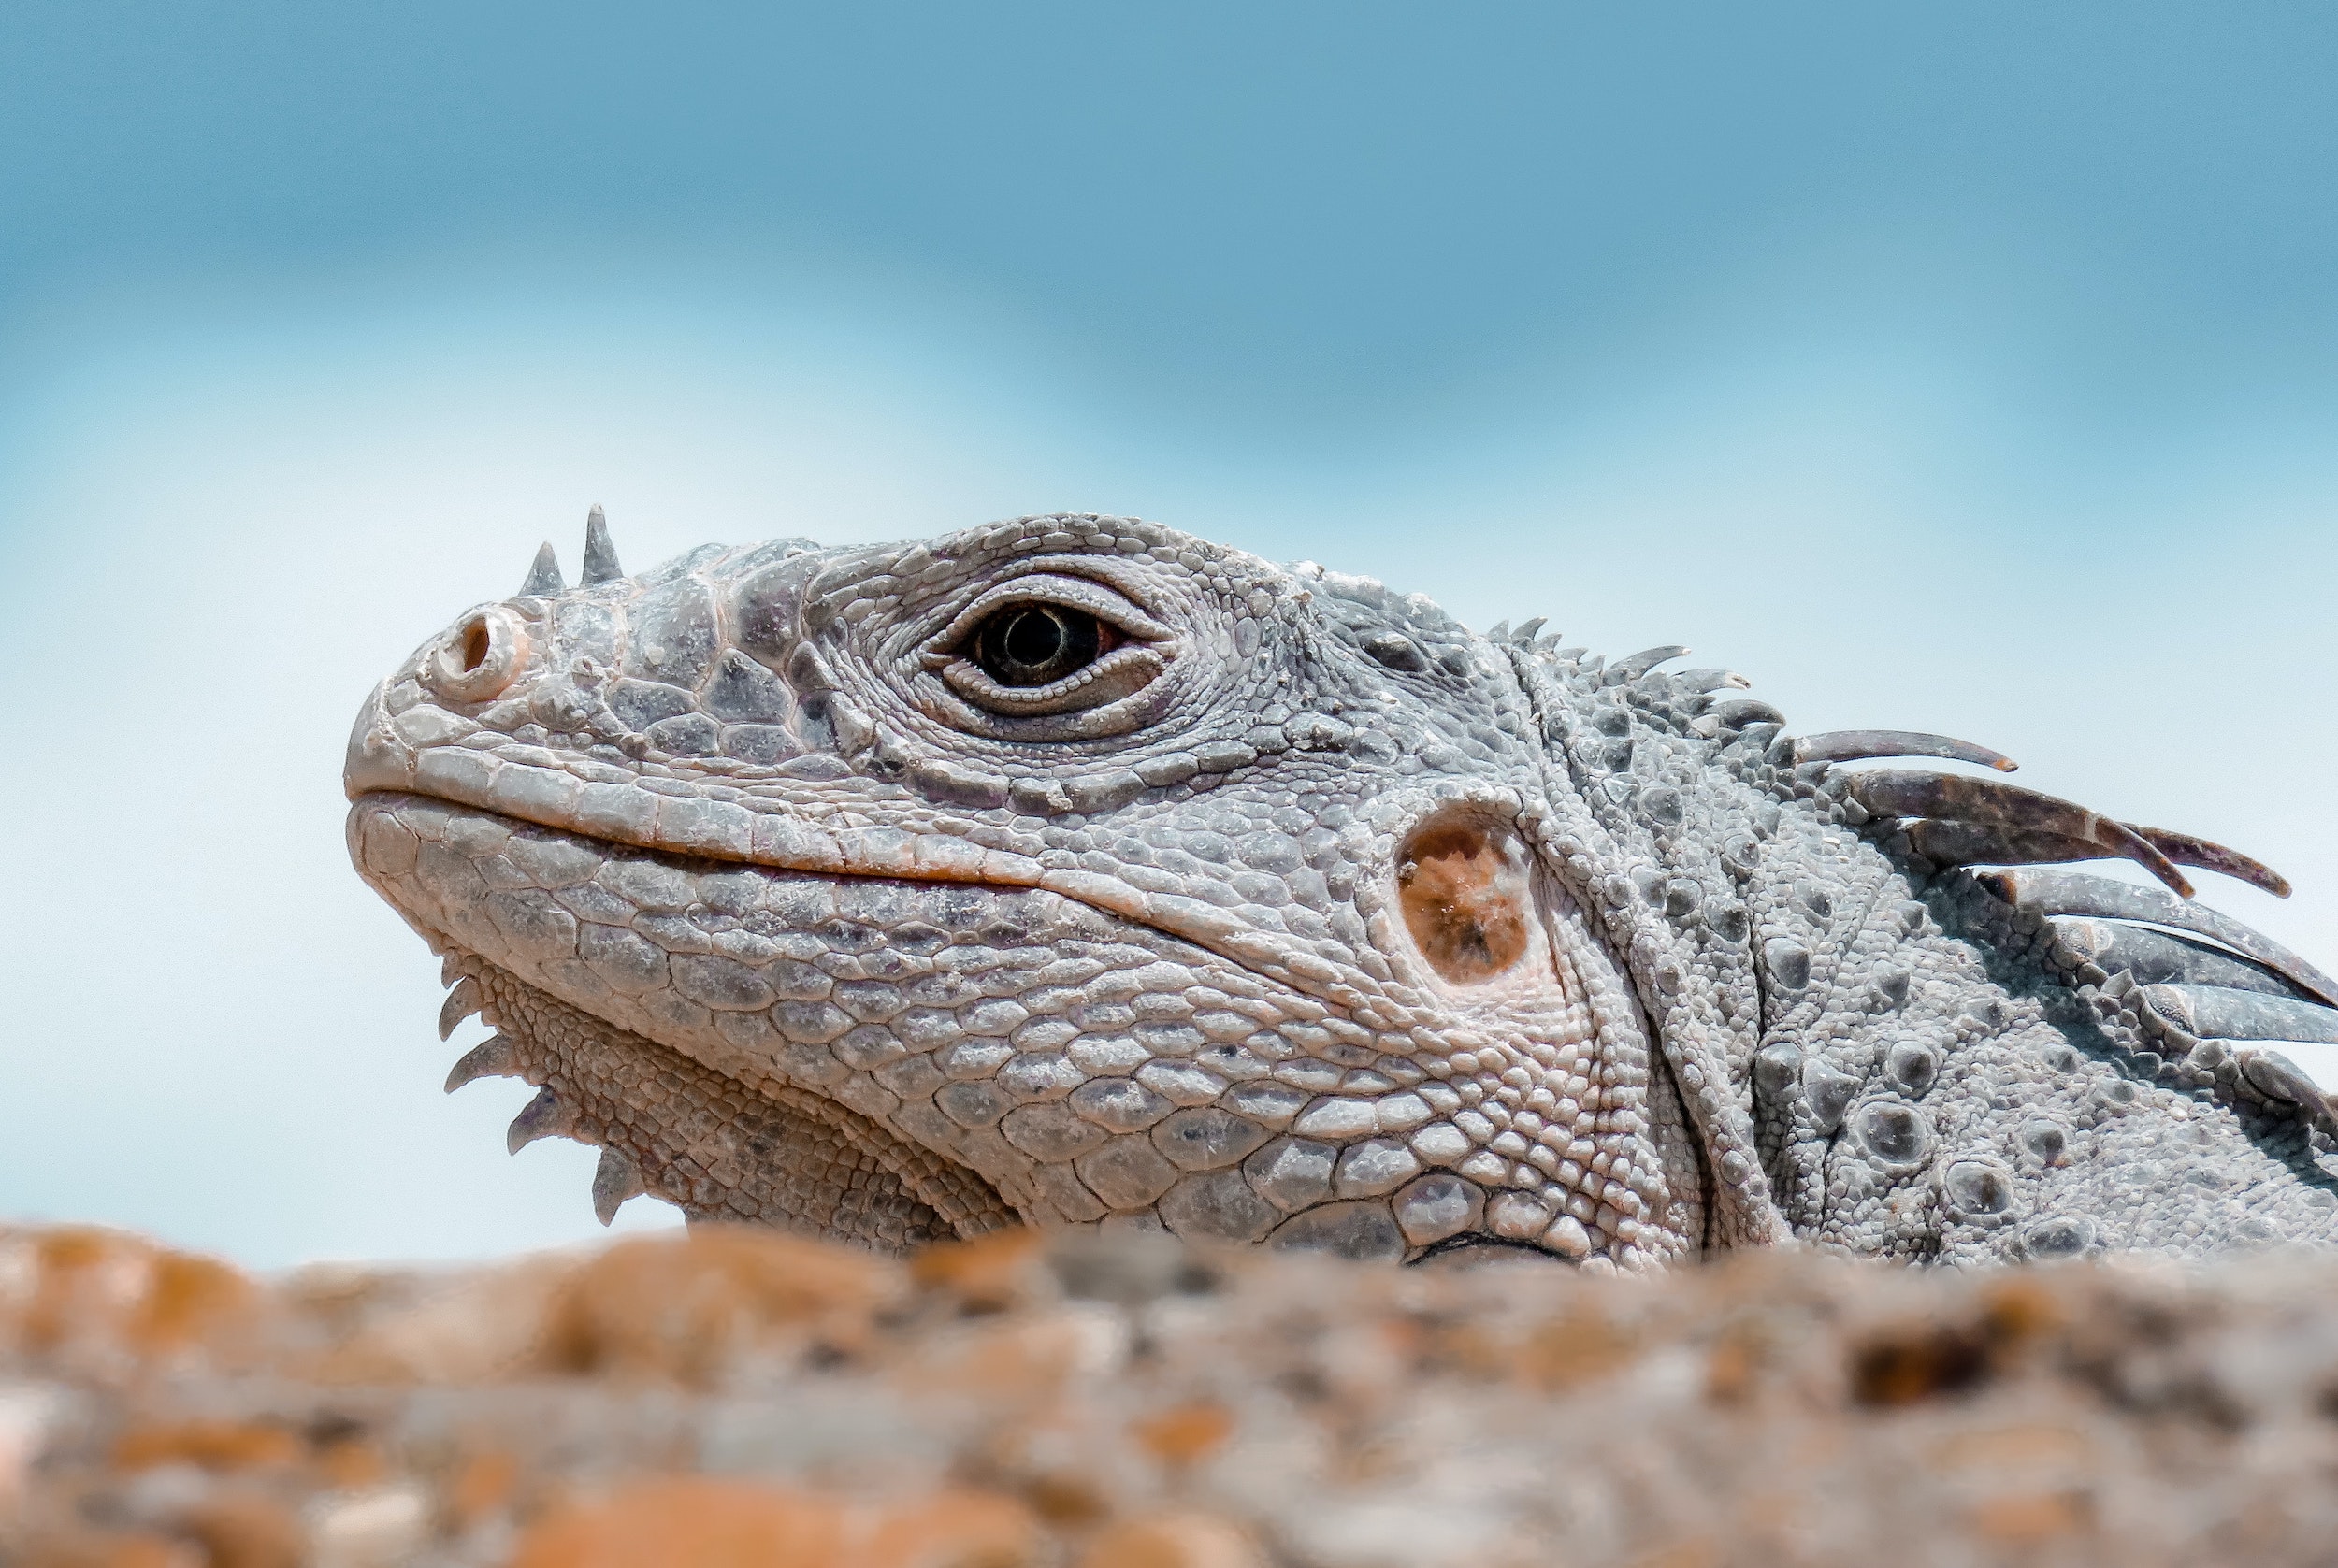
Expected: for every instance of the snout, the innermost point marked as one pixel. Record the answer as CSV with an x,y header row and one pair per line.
x,y
476,661
377,758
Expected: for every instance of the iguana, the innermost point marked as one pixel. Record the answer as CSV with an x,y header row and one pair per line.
x,y
1071,870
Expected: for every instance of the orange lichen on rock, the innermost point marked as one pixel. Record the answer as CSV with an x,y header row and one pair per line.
x,y
248,1529
100,1299
1115,1401
116,1550
2029,1519
1172,1541
720,1302
2030,1447
1185,1433
209,1445
989,1273
699,1523
482,1485
1574,1348
485,1326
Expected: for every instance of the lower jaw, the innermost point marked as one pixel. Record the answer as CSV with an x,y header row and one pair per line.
x,y
719,1131
717,1148
761,1153
725,1150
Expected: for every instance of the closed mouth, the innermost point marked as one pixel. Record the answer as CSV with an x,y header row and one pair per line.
x,y
769,835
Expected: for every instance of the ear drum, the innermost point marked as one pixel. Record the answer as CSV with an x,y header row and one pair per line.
x,y
1467,894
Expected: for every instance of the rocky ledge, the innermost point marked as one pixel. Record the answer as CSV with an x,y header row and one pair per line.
x,y
735,1398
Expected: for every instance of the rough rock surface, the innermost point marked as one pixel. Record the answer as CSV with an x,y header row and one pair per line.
x,y
739,1399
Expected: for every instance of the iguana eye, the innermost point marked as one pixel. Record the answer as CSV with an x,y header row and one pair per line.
x,y
1045,645
1032,645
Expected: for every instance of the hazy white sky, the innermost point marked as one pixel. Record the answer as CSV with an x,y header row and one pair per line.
x,y
1970,375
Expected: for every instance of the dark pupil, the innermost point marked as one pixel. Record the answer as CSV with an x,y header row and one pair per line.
x,y
1032,638
1031,644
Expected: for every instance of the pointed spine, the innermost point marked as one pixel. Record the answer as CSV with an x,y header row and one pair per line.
x,y
461,1002
492,1057
600,557
543,1116
1640,664
615,1179
2188,850
1860,745
544,578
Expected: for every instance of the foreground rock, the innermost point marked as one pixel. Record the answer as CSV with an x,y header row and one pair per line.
x,y
744,1399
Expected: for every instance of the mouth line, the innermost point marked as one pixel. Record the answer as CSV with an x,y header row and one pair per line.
x,y
859,860
710,829
724,834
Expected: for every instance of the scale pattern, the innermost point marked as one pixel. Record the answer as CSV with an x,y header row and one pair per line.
x,y
1297,913
722,1148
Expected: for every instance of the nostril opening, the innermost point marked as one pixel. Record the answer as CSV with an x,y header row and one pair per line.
x,y
479,656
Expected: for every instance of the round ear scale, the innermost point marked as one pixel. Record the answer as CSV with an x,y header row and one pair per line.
x,y
1465,893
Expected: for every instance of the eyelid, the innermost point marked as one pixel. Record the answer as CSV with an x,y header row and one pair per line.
x,y
1120,674
1075,593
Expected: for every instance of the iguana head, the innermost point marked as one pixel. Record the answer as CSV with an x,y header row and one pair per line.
x,y
1074,870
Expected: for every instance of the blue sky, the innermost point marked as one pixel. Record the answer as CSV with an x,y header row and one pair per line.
x,y
1961,369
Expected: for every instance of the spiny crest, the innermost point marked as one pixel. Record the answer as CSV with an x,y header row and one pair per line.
x,y
1934,820
2198,1009
600,557
544,575
1947,819
600,562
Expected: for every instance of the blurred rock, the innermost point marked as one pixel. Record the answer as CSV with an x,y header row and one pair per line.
x,y
1092,1402
698,1523
103,1302
1175,1541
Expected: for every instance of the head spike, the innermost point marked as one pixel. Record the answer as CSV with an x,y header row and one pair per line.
x,y
544,578
600,557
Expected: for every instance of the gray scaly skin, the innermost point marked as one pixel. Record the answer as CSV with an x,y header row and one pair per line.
x,y
1284,908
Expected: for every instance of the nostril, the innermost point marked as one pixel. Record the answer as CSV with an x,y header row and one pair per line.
x,y
479,657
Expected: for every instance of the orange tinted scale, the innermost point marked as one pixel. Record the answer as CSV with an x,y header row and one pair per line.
x,y
1464,902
